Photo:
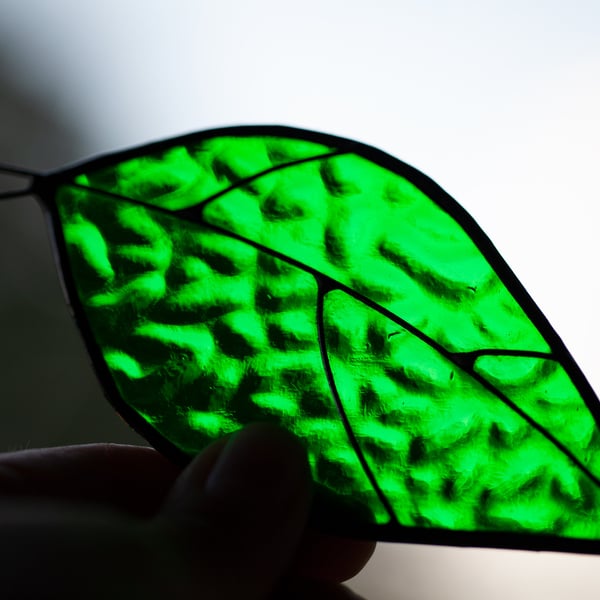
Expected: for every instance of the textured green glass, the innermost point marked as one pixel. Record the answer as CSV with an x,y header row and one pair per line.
x,y
236,278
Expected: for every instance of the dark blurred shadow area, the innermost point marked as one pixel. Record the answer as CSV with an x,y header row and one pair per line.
x,y
48,394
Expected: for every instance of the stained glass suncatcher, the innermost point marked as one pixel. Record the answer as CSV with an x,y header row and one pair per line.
x,y
269,273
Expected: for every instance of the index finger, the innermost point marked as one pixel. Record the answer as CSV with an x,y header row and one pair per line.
x,y
134,479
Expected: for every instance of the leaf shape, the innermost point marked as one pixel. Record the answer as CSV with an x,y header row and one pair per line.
x,y
268,273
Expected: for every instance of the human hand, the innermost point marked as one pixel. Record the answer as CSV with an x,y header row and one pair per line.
x,y
109,521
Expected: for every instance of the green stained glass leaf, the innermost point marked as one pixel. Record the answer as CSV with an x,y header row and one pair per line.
x,y
274,274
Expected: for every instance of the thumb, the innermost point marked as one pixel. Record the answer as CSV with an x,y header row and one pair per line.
x,y
242,507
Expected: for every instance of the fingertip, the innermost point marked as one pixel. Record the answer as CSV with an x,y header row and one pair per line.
x,y
241,509
187,491
262,462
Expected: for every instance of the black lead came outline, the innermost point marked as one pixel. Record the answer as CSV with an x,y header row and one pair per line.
x,y
45,186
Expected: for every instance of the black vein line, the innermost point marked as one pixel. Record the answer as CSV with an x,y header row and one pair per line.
x,y
469,358
322,291
332,283
196,211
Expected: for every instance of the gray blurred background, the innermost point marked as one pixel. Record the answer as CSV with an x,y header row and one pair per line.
x,y
496,100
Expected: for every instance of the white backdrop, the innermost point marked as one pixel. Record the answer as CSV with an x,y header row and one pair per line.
x,y
498,101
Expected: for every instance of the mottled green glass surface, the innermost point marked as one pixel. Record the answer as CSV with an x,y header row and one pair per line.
x,y
248,278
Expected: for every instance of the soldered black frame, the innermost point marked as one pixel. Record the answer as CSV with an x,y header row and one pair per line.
x,y
44,187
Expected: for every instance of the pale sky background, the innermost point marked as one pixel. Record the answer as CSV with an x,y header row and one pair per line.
x,y
497,101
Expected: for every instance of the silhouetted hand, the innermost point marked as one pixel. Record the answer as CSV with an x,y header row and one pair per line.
x,y
109,521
